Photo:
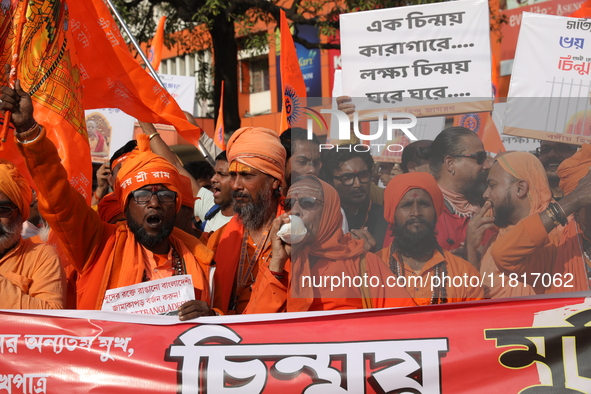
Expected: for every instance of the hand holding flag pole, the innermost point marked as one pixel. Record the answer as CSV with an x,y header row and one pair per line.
x,y
22,18
153,72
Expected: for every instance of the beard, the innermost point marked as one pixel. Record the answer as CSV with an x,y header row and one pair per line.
x,y
474,191
145,239
415,244
503,212
10,234
253,215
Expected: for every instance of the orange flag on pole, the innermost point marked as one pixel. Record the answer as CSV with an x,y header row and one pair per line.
x,y
219,135
293,87
111,77
155,51
47,69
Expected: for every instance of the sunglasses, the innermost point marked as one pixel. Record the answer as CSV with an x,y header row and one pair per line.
x,y
6,210
480,157
143,196
306,203
349,179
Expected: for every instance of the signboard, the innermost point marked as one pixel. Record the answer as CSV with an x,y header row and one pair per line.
x,y
155,297
551,83
533,345
428,60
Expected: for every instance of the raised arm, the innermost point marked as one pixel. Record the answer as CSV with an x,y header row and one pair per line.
x,y
78,226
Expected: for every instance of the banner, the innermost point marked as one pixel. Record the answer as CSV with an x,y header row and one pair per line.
x,y
551,100
431,59
529,345
108,130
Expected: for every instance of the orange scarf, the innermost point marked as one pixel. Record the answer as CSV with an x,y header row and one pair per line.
x,y
459,203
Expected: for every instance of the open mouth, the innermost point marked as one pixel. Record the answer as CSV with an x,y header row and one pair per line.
x,y
154,221
216,191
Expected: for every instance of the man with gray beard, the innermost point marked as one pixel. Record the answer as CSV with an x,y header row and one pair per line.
x,y
257,166
31,275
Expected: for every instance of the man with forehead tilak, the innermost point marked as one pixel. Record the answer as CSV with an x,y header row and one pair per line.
x,y
413,202
324,252
256,167
108,256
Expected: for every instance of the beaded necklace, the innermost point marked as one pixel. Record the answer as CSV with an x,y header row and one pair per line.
x,y
439,295
178,266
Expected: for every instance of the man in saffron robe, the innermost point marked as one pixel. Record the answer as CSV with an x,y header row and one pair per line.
x,y
31,276
257,168
412,205
325,252
108,256
517,188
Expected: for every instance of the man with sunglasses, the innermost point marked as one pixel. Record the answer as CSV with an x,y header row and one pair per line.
x,y
105,255
349,172
551,155
31,275
460,166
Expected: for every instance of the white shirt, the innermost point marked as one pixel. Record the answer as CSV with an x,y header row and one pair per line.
x,y
202,205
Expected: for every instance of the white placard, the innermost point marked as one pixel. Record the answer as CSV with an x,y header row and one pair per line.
x,y
182,89
430,60
549,94
155,297
108,130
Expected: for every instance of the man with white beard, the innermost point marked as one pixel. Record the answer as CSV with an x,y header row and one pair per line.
x,y
31,275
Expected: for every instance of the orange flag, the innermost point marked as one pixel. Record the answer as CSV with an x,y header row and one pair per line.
x,y
111,77
48,70
482,124
293,87
155,51
218,136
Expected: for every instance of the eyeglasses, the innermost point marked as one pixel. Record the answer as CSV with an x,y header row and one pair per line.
x,y
480,157
143,196
349,179
306,203
6,211
558,149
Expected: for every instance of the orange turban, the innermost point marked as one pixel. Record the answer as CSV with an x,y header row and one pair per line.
x,y
402,183
527,167
187,198
109,208
574,168
146,168
258,148
15,187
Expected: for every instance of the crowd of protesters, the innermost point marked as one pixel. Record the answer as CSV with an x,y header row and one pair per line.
x,y
450,223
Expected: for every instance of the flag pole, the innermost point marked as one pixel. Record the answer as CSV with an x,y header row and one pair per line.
x,y
153,72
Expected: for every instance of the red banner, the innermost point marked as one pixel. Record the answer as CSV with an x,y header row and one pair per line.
x,y
512,346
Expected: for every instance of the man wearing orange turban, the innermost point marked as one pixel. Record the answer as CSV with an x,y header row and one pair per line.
x,y
31,276
110,256
289,282
256,165
413,202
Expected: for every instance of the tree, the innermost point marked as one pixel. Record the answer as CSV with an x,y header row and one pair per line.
x,y
216,24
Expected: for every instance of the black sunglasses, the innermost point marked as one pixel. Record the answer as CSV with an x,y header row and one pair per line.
x,y
480,157
307,203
